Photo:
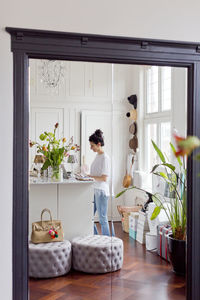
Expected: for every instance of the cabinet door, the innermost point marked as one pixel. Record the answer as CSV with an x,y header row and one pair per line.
x,y
102,74
75,209
90,121
98,81
42,196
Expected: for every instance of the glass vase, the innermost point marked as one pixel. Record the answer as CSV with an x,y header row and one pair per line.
x,y
55,173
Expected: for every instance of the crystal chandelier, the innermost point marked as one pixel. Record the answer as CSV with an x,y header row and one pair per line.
x,y
51,72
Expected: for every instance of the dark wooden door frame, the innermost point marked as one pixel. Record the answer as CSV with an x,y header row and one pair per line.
x,y
28,43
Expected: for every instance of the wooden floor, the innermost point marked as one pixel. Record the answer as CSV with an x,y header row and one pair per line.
x,y
144,276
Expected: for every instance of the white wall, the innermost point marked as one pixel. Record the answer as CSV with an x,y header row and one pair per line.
x,y
171,20
86,89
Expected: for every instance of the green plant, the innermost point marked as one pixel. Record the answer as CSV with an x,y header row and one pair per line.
x,y
54,150
176,182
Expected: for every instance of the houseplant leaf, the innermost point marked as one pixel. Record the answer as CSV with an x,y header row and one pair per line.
x,y
159,152
119,194
156,212
46,165
170,166
177,157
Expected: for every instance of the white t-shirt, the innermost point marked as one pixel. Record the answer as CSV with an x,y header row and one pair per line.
x,y
101,166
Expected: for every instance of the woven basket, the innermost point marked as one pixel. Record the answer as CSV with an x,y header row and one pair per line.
x,y
125,211
125,222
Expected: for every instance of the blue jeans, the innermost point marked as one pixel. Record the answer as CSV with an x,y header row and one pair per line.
x,y
101,206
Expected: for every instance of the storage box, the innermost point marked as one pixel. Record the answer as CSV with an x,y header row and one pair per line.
x,y
133,221
141,236
151,241
163,231
142,227
132,233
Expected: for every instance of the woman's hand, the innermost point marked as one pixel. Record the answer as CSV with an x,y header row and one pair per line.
x,y
99,178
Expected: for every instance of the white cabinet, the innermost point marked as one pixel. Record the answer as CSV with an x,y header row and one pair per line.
x,y
44,119
75,209
102,75
76,79
40,197
72,203
90,80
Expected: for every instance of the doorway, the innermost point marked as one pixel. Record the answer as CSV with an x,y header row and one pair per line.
x,y
36,44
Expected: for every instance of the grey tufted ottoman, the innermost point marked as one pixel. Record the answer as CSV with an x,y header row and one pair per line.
x,y
97,254
49,259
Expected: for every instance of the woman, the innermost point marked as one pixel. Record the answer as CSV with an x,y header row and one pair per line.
x,y
100,171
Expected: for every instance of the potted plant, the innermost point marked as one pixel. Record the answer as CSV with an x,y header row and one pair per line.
x,y
176,208
54,150
177,248
176,211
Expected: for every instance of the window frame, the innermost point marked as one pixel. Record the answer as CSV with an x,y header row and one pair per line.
x,y
155,117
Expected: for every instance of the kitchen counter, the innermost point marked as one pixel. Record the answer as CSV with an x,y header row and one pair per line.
x,y
70,201
35,180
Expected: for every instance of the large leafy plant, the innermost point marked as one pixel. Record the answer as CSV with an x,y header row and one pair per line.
x,y
176,182
54,150
175,208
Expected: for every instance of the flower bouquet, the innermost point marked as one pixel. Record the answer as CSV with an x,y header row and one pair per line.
x,y
54,150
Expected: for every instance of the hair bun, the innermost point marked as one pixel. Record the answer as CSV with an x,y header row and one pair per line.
x,y
97,137
99,133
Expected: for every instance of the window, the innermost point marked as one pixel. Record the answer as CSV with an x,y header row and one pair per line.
x,y
157,113
152,90
166,88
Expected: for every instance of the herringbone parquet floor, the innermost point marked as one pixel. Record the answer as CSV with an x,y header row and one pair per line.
x,y
144,276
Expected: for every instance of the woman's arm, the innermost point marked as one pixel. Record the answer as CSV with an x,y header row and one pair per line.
x,y
99,178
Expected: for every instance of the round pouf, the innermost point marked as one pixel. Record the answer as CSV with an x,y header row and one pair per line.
x,y
97,254
49,259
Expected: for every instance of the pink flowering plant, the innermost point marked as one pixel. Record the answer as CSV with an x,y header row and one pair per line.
x,y
185,146
54,150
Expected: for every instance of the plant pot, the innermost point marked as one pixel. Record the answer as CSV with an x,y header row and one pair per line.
x,y
177,255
